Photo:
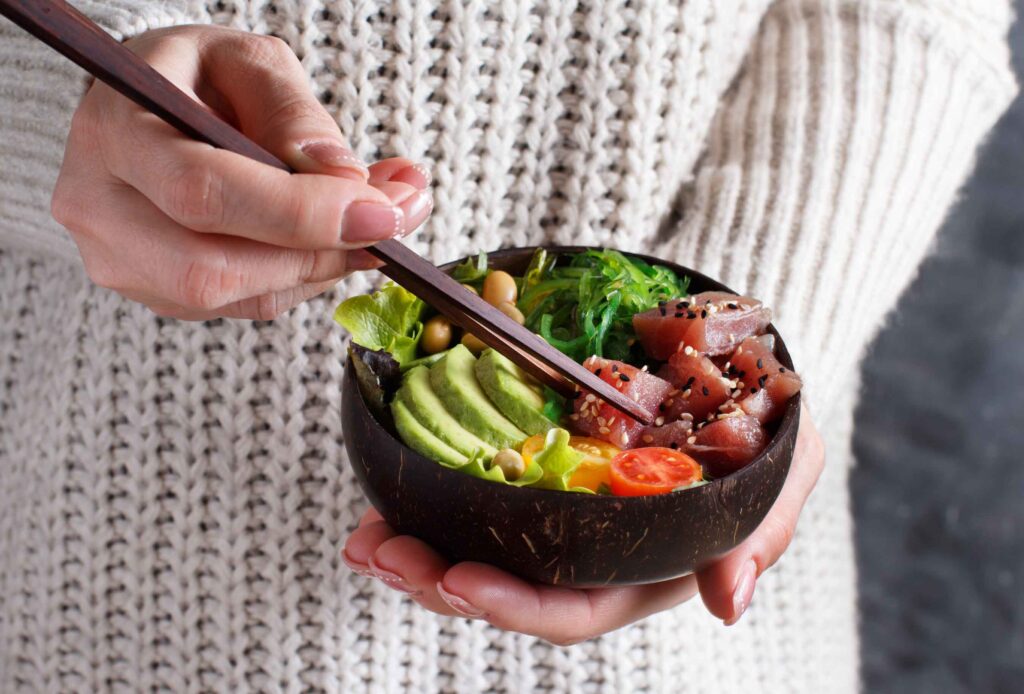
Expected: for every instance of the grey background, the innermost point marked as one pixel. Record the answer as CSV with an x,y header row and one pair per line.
x,y
939,487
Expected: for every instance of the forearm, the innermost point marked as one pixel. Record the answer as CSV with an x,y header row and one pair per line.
x,y
39,91
835,157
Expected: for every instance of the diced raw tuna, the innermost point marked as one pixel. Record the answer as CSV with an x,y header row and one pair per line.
x,y
767,384
671,435
699,386
711,322
593,417
728,444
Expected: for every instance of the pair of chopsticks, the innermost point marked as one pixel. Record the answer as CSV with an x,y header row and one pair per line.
x,y
78,38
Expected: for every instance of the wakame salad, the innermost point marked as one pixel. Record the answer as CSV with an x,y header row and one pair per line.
x,y
703,363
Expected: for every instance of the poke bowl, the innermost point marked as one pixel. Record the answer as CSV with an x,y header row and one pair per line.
x,y
563,528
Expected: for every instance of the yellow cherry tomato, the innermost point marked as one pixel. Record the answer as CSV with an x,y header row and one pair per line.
x,y
593,470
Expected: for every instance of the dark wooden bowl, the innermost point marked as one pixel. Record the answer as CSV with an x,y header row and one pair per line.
x,y
563,538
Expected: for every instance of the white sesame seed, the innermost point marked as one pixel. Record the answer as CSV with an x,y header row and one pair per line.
x,y
686,393
590,397
648,438
691,440
659,421
688,350
604,430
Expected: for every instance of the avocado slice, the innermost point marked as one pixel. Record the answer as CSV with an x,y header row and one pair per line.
x,y
418,437
454,380
507,387
422,402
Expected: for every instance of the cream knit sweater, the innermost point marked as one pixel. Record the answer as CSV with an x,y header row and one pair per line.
x,y
173,496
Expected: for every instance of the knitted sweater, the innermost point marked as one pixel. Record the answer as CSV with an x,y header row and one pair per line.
x,y
173,496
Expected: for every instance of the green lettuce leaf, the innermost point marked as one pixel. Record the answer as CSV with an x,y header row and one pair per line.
x,y
558,460
477,466
471,270
388,319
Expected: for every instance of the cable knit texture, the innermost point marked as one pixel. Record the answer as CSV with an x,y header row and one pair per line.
x,y
173,496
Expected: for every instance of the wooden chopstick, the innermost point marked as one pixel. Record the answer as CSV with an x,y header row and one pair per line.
x,y
78,38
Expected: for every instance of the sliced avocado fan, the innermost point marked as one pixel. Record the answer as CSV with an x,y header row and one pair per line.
x,y
422,402
507,387
418,437
454,381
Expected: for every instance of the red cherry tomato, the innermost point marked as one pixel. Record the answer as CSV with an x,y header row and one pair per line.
x,y
645,471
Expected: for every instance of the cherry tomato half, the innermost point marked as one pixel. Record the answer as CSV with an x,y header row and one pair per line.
x,y
645,471
593,469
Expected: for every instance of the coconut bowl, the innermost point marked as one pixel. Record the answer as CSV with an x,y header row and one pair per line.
x,y
562,538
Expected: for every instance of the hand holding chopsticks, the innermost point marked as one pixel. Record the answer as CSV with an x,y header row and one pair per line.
x,y
63,28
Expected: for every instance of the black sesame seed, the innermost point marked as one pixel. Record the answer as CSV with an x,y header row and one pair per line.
x,y
732,306
663,311
684,304
760,381
703,314
691,315
690,380
760,363
623,377
661,407
782,369
753,390
662,302
705,391
674,445
679,314
615,368
598,372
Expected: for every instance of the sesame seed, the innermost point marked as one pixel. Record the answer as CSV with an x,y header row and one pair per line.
x,y
679,314
760,363
615,368
691,440
667,403
690,315
703,314
662,311
753,389
662,302
701,426
590,397
761,380
704,389
648,438
661,407
598,372
690,380
732,306
659,421
623,377
782,369
686,393
601,421
735,393
644,368
604,430
688,350
673,445
739,350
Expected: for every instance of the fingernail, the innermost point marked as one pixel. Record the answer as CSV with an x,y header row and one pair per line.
x,y
458,604
392,580
743,592
357,567
371,221
334,155
416,175
417,208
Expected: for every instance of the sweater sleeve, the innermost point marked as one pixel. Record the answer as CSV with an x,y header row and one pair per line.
x,y
39,91
840,147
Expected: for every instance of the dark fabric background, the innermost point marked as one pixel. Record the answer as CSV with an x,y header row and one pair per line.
x,y
939,487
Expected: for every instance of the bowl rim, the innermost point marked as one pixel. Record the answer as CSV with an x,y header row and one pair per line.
x,y
789,420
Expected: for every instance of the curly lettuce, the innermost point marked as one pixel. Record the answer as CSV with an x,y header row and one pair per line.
x,y
388,319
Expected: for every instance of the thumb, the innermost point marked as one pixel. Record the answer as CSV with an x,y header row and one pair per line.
x,y
727,585
269,93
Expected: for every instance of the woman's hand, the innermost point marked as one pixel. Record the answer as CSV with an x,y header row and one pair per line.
x,y
564,615
196,232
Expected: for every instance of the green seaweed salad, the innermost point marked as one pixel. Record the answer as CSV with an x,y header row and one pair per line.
x,y
471,409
